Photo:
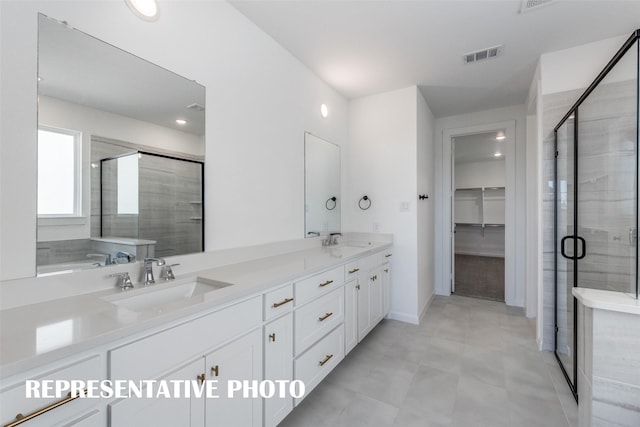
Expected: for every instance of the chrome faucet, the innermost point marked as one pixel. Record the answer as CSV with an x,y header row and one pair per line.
x,y
148,269
121,256
106,257
331,240
124,280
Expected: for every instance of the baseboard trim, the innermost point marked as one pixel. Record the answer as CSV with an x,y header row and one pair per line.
x,y
404,317
425,308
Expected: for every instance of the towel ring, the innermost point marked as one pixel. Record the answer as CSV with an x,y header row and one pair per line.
x,y
365,199
328,203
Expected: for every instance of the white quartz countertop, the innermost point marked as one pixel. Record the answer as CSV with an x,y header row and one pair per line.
x,y
607,300
45,332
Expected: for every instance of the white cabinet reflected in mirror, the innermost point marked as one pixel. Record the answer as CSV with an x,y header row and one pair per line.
x,y
321,187
120,155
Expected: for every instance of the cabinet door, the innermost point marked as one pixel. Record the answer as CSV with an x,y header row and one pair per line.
x,y
386,288
240,360
350,315
278,365
364,307
376,296
161,411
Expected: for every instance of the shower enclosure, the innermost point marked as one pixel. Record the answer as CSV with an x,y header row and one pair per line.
x,y
153,197
596,196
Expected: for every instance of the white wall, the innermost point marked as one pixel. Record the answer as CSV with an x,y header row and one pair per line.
x,y
489,173
477,122
260,101
382,163
577,67
425,208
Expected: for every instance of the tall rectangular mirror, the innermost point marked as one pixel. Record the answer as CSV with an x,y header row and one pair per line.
x,y
121,145
321,186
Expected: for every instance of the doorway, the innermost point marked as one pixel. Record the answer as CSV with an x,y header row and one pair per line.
x,y
478,215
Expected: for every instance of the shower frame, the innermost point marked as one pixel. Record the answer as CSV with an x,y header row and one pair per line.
x,y
630,43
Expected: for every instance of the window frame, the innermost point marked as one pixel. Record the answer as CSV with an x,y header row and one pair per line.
x,y
77,177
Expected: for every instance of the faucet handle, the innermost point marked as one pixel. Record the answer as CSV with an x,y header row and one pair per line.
x,y
124,280
167,272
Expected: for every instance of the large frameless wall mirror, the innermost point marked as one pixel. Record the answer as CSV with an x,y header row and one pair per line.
x,y
321,186
120,155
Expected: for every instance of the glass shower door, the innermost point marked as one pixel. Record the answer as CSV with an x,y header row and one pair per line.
x,y
565,217
607,180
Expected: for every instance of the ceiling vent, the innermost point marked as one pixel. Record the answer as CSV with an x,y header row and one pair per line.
x,y
528,5
195,107
481,55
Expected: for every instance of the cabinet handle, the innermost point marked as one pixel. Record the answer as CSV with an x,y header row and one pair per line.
x,y
214,371
386,270
328,282
284,301
272,337
355,270
374,278
388,255
325,317
326,359
201,378
358,287
24,418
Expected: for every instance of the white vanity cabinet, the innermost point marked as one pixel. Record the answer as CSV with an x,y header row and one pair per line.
x,y
278,366
241,361
367,298
187,412
17,409
222,345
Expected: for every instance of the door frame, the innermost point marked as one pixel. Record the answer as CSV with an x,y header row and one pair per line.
x,y
509,126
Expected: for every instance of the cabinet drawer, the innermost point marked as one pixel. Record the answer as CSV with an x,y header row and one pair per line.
x,y
278,302
13,399
153,355
319,360
317,285
351,270
317,318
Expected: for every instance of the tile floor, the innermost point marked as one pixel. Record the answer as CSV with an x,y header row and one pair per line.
x,y
471,363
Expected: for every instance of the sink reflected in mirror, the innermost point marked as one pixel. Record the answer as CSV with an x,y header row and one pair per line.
x,y
157,296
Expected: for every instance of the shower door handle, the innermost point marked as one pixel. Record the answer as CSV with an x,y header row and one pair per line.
x,y
633,237
564,254
584,247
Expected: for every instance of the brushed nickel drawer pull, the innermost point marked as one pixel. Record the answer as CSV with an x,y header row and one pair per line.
x,y
215,370
388,255
328,282
284,301
386,270
325,317
355,270
326,359
358,287
201,378
24,418
272,337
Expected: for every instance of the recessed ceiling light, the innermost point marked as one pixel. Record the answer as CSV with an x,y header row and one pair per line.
x,y
497,154
500,136
324,110
181,121
144,9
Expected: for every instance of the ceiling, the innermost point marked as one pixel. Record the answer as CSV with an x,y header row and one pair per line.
x,y
479,147
362,48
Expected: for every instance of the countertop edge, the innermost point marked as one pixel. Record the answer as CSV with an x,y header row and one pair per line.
x,y
156,323
607,300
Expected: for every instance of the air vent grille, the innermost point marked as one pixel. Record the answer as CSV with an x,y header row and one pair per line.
x,y
480,55
196,107
528,5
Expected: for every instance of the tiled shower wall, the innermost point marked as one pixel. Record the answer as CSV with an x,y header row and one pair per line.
x,y
607,125
170,203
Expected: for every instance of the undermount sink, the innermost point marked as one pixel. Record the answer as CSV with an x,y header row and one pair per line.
x,y
347,250
152,297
